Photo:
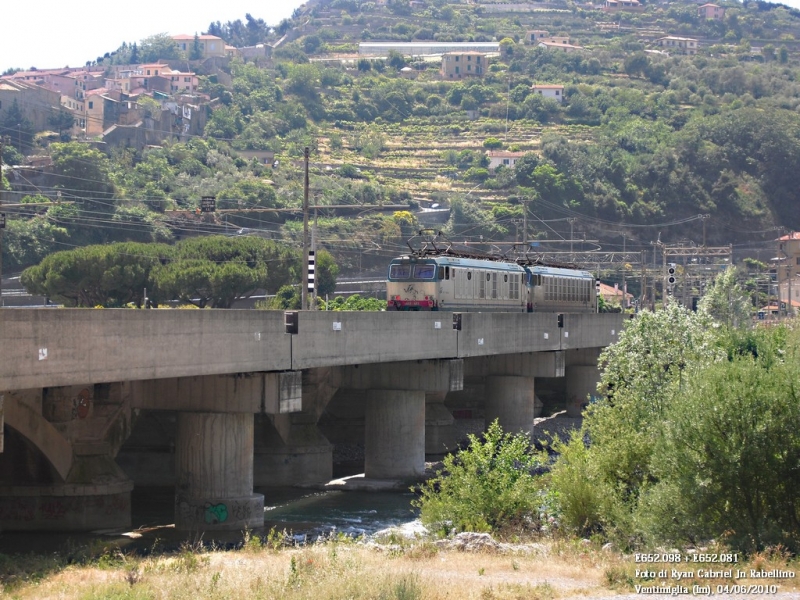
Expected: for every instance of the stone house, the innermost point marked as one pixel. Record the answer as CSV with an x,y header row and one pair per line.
x,y
680,45
88,81
65,83
534,35
614,296
711,11
210,45
105,108
457,65
788,267
181,82
35,102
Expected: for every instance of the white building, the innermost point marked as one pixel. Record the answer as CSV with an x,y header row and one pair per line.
x,y
503,158
556,92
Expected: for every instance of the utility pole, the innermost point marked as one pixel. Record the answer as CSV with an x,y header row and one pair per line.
x,y
314,252
304,284
508,103
703,218
571,224
686,280
2,223
643,301
525,224
664,288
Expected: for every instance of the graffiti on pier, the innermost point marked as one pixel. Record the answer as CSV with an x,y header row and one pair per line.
x,y
208,513
216,513
18,509
232,511
81,404
54,509
61,405
242,511
63,508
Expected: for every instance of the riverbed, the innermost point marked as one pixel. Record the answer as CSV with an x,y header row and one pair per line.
x,y
304,516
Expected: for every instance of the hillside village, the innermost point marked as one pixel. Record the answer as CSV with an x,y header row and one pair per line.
x,y
103,101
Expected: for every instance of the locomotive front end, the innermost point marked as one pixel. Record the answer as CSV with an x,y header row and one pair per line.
x,y
411,284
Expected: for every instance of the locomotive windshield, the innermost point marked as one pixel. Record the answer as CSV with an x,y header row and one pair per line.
x,y
408,271
424,271
399,271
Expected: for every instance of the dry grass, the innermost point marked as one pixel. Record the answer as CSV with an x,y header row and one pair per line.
x,y
346,570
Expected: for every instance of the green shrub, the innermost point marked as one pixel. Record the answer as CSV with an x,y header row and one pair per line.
x,y
600,487
476,174
486,487
727,463
287,298
695,438
579,491
354,302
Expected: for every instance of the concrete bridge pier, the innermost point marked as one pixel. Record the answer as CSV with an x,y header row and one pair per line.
x,y
214,473
440,433
394,441
509,386
289,447
582,376
58,471
394,417
290,450
581,386
214,441
510,400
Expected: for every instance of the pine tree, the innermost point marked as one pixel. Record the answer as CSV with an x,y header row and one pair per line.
x,y
197,51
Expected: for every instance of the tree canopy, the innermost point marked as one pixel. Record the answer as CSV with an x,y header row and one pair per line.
x,y
209,271
689,441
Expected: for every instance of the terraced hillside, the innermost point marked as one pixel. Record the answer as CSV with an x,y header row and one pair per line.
x,y
415,157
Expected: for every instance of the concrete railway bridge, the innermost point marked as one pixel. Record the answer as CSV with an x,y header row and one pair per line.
x,y
217,402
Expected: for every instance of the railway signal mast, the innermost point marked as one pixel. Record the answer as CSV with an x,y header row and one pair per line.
x,y
691,270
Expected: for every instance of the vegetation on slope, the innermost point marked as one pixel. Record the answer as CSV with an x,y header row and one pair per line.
x,y
692,441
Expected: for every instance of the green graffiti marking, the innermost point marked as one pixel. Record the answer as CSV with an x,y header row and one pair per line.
x,y
216,513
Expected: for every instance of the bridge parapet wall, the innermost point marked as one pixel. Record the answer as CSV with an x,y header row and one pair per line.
x,y
348,338
487,334
591,330
50,347
54,347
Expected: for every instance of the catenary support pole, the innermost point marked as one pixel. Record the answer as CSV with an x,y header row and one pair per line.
x,y
304,283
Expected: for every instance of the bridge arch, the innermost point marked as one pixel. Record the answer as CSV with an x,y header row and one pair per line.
x,y
41,433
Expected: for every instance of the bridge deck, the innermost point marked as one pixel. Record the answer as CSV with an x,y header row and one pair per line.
x,y
56,347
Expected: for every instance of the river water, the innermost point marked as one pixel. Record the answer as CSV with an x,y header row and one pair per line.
x,y
304,515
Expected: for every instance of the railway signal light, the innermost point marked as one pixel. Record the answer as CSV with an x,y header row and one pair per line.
x,y
671,274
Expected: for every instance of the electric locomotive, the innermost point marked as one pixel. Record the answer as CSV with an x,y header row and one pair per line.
x,y
441,278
